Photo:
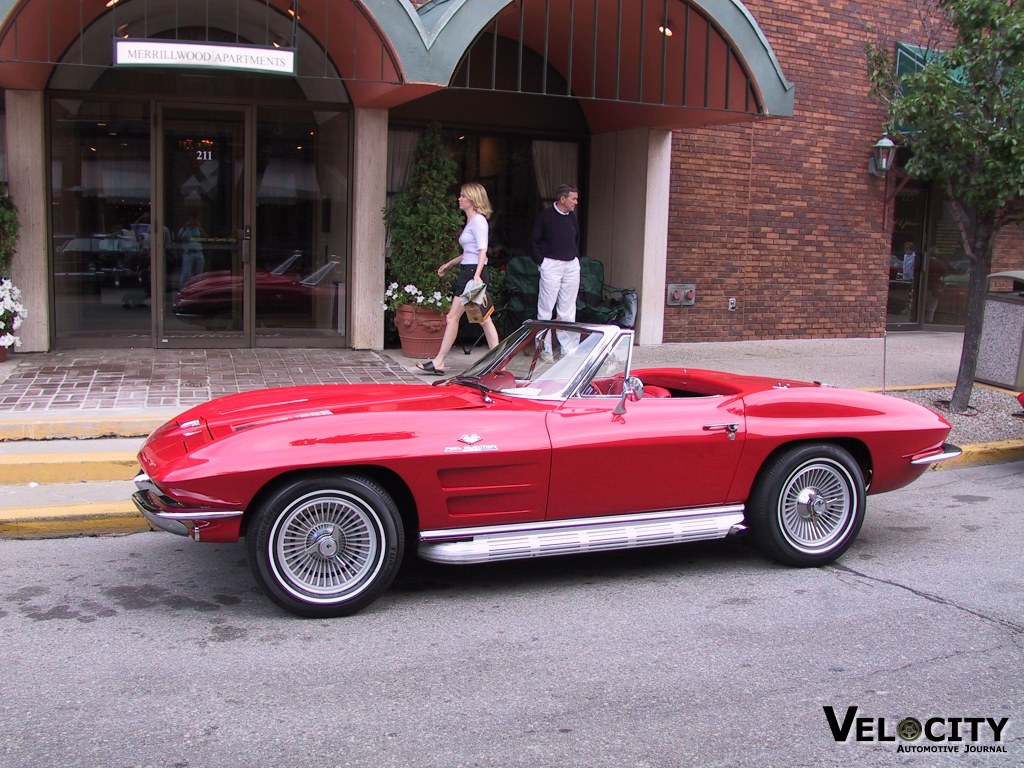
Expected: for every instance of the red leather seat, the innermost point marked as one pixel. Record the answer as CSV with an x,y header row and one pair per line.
x,y
653,390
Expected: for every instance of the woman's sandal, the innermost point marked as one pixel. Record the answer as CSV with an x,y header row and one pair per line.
x,y
428,367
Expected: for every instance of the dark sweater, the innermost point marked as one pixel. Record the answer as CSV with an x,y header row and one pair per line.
x,y
555,236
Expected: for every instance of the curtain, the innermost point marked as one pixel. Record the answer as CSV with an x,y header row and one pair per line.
x,y
555,163
401,147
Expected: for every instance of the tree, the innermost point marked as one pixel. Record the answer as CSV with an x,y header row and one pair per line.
x,y
423,226
961,115
8,231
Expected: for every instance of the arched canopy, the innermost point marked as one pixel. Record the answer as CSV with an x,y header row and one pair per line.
x,y
716,67
332,40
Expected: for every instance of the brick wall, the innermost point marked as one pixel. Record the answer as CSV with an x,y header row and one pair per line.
x,y
1009,249
782,214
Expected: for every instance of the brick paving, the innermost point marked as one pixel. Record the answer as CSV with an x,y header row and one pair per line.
x,y
161,378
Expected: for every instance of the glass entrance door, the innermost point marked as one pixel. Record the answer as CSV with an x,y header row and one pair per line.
x,y
204,238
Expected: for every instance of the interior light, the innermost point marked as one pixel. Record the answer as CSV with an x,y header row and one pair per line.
x,y
666,30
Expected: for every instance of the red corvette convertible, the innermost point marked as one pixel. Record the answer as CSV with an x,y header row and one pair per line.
x,y
520,458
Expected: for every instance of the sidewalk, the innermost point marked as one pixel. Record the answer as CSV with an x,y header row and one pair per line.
x,y
72,422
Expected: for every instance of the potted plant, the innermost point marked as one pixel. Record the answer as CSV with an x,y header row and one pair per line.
x,y
12,311
423,225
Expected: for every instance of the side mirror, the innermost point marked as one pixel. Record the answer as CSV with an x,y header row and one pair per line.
x,y
633,389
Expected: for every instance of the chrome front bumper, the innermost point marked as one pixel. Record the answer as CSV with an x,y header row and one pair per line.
x,y
180,521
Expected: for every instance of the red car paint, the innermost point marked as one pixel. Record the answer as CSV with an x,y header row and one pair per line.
x,y
536,448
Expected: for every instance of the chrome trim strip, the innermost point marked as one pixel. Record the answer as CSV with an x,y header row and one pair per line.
x,y
949,451
560,537
450,534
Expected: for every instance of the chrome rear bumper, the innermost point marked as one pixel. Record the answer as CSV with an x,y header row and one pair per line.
x,y
949,451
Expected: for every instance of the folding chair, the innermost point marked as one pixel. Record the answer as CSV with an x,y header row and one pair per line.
x,y
597,301
522,284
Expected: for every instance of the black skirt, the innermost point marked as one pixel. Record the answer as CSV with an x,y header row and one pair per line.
x,y
466,272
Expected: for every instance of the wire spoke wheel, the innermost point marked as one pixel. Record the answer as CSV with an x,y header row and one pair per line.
x,y
326,546
808,504
816,507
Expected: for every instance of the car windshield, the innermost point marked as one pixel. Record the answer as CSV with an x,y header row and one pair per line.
x,y
552,360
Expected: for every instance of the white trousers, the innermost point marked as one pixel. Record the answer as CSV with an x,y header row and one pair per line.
x,y
559,286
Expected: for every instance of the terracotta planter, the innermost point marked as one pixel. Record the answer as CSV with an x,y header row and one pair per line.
x,y
420,331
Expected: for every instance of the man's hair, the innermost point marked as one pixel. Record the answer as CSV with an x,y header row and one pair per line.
x,y
564,190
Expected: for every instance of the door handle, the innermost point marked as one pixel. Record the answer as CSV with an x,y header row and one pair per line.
x,y
246,241
730,428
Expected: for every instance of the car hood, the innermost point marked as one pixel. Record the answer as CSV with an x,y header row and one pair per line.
x,y
264,407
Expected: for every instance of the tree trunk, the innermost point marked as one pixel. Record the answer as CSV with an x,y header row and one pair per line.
x,y
980,250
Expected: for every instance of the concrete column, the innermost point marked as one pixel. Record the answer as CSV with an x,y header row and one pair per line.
x,y
651,329
627,222
369,196
26,170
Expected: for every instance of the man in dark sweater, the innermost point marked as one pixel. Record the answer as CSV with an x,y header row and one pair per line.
x,y
555,243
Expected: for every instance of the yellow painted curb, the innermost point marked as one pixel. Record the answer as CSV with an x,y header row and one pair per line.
x,y
46,468
95,519
79,427
980,454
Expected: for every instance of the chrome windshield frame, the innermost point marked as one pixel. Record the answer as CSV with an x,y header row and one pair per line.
x,y
496,360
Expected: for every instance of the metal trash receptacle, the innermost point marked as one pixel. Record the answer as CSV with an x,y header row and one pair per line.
x,y
1001,352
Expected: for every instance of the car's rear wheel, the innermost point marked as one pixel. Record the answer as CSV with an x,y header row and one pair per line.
x,y
808,505
326,546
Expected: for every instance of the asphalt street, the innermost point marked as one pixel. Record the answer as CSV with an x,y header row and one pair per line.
x,y
151,650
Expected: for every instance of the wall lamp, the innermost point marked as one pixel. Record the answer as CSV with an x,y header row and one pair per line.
x,y
882,158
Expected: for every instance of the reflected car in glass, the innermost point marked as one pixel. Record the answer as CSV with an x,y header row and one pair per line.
x,y
522,457
97,261
281,291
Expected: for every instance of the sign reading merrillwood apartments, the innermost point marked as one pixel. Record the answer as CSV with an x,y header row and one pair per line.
x,y
167,53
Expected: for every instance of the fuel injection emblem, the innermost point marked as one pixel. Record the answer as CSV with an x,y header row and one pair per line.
x,y
469,445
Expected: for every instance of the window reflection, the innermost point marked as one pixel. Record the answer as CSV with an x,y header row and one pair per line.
x,y
100,177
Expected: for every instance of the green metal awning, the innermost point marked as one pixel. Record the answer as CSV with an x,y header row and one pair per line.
x,y
913,58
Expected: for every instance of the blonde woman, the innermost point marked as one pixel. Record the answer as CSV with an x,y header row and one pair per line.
x,y
472,263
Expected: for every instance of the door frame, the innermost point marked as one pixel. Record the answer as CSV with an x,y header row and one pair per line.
x,y
244,231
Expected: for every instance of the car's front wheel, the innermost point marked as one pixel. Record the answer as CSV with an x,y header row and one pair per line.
x,y
808,505
326,546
